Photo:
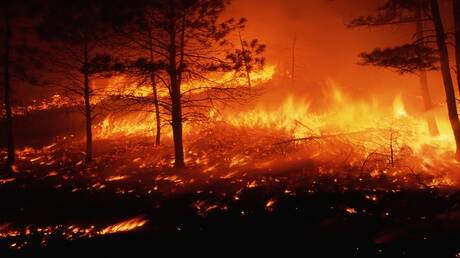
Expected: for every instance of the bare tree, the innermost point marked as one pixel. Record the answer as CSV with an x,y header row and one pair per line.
x,y
20,60
78,36
7,86
136,26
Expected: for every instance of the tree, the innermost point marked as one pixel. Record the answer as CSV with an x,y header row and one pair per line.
x,y
19,60
195,48
456,11
190,47
417,56
427,102
79,38
7,85
413,57
134,24
446,76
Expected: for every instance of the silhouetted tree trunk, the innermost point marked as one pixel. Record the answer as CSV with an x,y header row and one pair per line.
x,y
246,65
456,8
174,75
427,102
87,93
446,76
293,62
7,91
155,96
428,105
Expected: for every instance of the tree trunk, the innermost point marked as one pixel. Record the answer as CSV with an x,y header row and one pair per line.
x,y
155,97
157,110
293,63
177,124
446,76
456,8
87,93
246,65
428,105
427,102
7,94
174,75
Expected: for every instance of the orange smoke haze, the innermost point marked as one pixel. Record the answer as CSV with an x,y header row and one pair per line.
x,y
326,49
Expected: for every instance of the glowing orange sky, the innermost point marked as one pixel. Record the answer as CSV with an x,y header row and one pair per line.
x,y
326,48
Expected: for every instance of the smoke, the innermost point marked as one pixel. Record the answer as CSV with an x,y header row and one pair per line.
x,y
326,49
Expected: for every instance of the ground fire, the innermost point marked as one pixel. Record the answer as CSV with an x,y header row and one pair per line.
x,y
146,125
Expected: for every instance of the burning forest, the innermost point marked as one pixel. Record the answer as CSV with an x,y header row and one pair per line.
x,y
326,127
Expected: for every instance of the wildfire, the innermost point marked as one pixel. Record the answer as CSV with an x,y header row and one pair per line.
x,y
143,123
374,132
344,116
56,101
363,133
140,123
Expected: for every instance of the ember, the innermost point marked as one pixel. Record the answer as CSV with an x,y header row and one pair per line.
x,y
126,225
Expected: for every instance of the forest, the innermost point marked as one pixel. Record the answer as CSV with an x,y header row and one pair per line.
x,y
323,127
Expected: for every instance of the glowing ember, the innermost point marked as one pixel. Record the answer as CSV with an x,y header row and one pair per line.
x,y
269,205
70,232
372,197
351,210
6,180
115,178
124,226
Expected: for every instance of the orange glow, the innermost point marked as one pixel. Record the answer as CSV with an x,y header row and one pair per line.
x,y
351,210
344,116
143,123
115,178
399,110
370,127
124,226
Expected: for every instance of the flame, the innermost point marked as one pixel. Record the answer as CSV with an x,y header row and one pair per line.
x,y
124,226
143,123
121,86
115,178
367,125
399,110
344,116
56,101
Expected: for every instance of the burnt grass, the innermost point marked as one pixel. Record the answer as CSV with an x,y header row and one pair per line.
x,y
311,214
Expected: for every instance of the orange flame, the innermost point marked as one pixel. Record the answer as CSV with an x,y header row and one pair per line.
x,y
124,226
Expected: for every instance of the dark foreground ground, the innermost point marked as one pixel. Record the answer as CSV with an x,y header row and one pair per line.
x,y
290,212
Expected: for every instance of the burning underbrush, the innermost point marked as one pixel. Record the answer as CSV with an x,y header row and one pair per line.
x,y
222,150
239,165
232,171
